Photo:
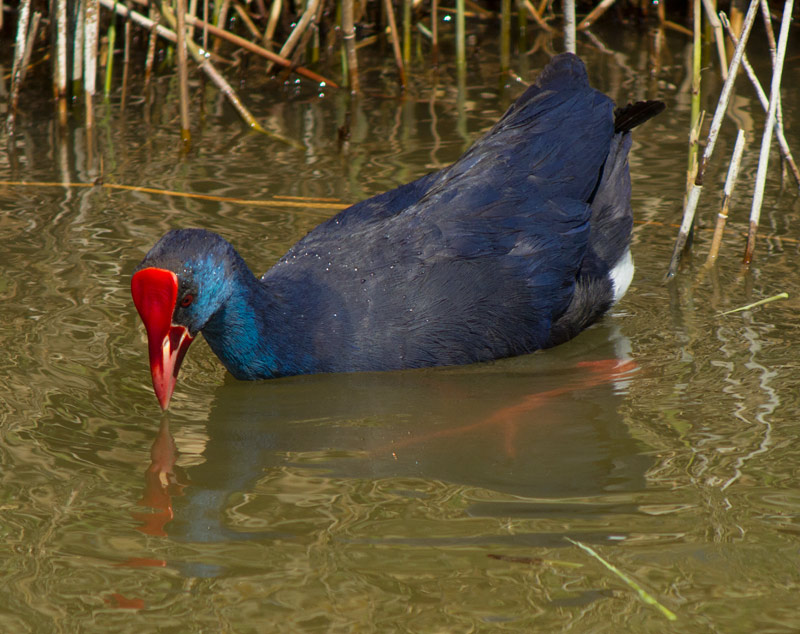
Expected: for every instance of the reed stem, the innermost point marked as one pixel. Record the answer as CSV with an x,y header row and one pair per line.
x,y
272,22
294,37
766,139
765,14
730,184
17,68
183,72
398,57
170,36
111,38
349,36
77,48
537,16
694,117
505,36
569,25
595,13
719,38
60,85
126,63
33,30
213,74
406,32
90,46
764,100
151,45
722,105
435,32
461,38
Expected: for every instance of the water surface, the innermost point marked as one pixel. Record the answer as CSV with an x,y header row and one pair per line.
x,y
433,500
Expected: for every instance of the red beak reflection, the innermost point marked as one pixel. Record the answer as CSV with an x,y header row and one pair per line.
x,y
154,294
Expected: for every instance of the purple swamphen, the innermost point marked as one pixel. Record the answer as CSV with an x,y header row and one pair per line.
x,y
519,245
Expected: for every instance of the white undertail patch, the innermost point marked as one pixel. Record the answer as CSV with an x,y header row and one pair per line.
x,y
621,275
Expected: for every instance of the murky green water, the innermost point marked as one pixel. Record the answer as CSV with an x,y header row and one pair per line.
x,y
429,501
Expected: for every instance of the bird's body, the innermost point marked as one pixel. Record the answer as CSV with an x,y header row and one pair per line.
x,y
519,245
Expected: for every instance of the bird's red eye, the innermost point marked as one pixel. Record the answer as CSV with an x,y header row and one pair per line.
x,y
187,300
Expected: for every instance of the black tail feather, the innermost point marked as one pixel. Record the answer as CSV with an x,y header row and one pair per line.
x,y
628,117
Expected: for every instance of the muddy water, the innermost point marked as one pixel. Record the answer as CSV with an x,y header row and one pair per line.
x,y
436,500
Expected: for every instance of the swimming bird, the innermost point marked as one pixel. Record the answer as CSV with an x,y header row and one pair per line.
x,y
519,245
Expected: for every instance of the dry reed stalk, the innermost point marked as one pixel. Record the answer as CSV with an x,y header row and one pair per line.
x,y
730,184
151,46
20,50
60,86
77,48
183,71
762,97
349,36
140,19
220,17
461,39
435,32
259,50
505,36
722,105
294,37
262,9
767,18
126,63
569,25
674,26
192,11
765,14
659,38
719,38
766,139
32,32
537,16
694,145
169,35
313,32
219,81
479,11
694,117
90,46
205,28
245,17
398,58
595,13
272,22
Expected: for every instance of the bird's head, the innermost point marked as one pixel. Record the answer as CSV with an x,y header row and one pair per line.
x,y
181,283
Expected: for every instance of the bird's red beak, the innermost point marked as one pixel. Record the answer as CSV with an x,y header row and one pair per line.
x,y
154,294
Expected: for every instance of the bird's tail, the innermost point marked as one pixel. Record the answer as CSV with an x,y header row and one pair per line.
x,y
626,118
612,216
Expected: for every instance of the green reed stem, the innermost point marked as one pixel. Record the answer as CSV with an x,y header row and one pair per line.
x,y
643,594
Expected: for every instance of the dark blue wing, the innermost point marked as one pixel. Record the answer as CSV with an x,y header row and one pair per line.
x,y
474,262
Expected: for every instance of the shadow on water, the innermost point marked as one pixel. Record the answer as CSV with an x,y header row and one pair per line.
x,y
540,430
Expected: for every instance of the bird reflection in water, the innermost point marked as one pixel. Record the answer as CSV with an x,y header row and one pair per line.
x,y
538,428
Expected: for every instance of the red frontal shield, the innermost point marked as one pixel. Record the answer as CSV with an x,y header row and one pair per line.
x,y
154,294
